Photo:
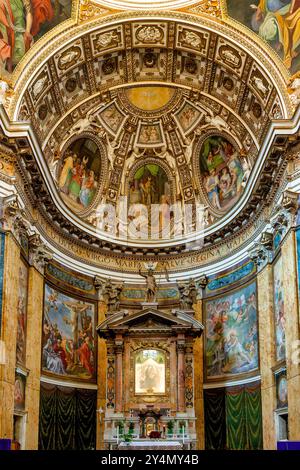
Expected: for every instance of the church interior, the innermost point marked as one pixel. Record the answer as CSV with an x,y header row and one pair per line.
x,y
149,224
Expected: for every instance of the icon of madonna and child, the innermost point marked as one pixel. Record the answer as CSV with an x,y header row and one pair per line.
x,y
222,172
79,173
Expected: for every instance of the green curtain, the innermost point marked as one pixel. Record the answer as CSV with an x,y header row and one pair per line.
x,y
214,417
243,417
233,417
253,416
47,425
67,418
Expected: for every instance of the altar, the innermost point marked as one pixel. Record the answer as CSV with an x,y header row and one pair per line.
x,y
150,445
150,383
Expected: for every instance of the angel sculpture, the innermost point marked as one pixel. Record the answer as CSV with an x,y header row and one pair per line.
x,y
188,145
188,294
164,154
135,154
247,170
112,146
215,121
114,297
89,122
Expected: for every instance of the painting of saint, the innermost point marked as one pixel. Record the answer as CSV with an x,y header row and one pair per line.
x,y
19,391
79,174
187,117
279,310
23,22
68,336
150,372
150,135
22,313
112,118
231,333
275,21
222,172
149,187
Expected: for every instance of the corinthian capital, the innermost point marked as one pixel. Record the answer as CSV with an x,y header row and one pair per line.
x,y
39,253
13,218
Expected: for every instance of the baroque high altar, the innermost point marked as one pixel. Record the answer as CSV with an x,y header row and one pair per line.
x,y
150,366
149,224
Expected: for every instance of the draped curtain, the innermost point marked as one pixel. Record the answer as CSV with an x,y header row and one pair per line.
x,y
233,417
214,416
67,418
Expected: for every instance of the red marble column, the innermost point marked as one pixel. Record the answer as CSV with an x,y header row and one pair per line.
x,y
119,374
181,372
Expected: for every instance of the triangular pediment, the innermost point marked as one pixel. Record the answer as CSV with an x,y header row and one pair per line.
x,y
150,319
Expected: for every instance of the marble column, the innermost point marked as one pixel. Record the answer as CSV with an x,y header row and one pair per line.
x,y
33,355
290,289
181,372
267,354
173,378
119,373
198,380
101,378
9,334
127,377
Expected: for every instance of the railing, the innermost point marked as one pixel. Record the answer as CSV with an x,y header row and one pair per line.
x,y
175,436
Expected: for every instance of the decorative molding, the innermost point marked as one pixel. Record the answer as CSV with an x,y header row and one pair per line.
x,y
90,11
209,7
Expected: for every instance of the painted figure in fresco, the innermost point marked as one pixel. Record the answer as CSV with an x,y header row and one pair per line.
x,y
87,190
68,339
279,311
22,315
212,188
223,174
231,333
85,355
278,22
77,178
52,361
235,355
66,173
78,174
148,186
20,22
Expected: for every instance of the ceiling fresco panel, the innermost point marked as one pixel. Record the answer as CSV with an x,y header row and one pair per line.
x,y
17,36
275,21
